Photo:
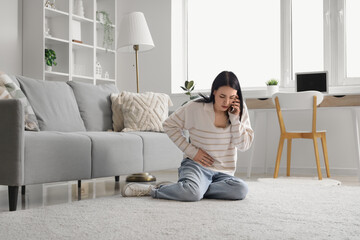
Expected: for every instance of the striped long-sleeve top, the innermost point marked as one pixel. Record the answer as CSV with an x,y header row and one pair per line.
x,y
220,143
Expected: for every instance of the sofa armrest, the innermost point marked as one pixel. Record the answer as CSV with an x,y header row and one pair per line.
x,y
11,142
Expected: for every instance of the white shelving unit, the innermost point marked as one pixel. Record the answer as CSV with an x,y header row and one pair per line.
x,y
75,61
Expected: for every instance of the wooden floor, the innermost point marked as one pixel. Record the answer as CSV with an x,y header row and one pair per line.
x,y
60,193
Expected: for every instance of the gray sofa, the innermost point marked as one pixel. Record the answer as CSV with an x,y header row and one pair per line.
x,y
74,141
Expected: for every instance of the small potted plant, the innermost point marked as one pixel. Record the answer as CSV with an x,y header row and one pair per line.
x,y
272,86
188,88
50,57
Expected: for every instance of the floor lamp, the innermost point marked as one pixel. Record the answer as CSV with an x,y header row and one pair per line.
x,y
134,36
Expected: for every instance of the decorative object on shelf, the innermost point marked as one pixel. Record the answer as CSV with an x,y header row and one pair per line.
x,y
76,31
50,4
47,28
98,70
188,87
79,8
50,57
104,19
272,87
134,35
106,76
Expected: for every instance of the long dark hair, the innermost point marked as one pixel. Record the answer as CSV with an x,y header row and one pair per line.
x,y
225,78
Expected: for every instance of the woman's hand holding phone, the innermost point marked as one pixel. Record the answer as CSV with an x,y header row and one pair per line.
x,y
235,107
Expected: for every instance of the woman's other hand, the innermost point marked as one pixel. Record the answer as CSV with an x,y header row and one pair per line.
x,y
203,158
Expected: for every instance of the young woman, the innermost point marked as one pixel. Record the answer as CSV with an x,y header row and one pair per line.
x,y
218,126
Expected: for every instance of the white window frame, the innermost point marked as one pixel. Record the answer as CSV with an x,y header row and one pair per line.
x,y
340,17
286,67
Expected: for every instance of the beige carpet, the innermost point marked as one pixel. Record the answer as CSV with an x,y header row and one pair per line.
x,y
284,208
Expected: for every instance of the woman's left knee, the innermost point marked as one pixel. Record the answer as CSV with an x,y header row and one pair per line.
x,y
240,188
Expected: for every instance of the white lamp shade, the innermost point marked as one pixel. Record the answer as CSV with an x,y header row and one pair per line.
x,y
134,30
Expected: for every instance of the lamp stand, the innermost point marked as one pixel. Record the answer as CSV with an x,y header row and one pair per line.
x,y
139,177
136,48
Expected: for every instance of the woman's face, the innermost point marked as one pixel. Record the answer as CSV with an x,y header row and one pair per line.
x,y
224,96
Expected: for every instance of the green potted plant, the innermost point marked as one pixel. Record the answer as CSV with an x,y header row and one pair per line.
x,y
272,86
50,57
188,87
104,19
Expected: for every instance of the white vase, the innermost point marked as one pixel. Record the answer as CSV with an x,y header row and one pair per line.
x,y
48,68
271,89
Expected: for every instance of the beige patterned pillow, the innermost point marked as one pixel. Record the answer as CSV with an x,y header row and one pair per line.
x,y
117,116
144,111
4,94
9,90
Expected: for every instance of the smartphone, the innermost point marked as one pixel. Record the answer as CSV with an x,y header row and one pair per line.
x,y
231,108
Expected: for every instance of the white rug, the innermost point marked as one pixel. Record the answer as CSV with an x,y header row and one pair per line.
x,y
283,208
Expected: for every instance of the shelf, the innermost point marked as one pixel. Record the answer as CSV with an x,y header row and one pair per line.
x,y
82,77
82,19
53,73
103,50
56,40
81,45
106,79
55,28
49,12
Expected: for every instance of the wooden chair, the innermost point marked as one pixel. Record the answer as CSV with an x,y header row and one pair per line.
x,y
299,101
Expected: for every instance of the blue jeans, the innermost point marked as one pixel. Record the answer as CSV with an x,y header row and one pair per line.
x,y
197,182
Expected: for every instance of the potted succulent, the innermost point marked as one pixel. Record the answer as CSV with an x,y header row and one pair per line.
x,y
188,88
272,86
104,19
50,57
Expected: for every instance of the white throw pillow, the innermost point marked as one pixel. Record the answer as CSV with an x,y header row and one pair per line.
x,y
142,111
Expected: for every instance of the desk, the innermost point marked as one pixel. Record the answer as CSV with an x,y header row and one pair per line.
x,y
352,101
329,101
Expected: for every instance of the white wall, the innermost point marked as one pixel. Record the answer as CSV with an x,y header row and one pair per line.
x,y
154,65
11,36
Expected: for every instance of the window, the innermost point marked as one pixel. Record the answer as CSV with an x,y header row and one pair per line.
x,y
352,38
263,39
233,35
307,36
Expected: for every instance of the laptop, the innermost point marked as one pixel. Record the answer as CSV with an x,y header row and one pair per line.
x,y
307,81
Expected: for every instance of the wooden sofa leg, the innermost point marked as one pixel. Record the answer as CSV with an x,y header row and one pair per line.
x,y
117,178
13,197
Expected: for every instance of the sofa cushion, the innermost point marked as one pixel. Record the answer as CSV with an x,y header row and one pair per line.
x,y
54,105
56,156
9,88
160,153
144,111
94,104
115,154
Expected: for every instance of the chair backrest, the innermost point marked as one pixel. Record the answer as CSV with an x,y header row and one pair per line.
x,y
298,100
